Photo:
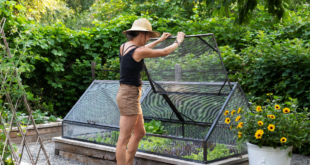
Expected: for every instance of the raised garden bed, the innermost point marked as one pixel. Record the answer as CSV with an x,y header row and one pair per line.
x,y
47,132
101,154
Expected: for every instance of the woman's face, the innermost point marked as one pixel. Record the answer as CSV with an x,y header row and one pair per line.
x,y
145,38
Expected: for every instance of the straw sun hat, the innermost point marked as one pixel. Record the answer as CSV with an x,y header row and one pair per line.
x,y
143,25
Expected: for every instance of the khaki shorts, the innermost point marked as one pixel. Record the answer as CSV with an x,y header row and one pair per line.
x,y
128,99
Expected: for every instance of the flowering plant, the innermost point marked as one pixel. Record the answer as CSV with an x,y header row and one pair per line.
x,y
271,124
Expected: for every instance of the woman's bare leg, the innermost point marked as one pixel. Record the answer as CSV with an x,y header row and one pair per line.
x,y
126,126
133,144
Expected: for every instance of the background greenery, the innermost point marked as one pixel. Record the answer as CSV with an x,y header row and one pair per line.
x,y
269,54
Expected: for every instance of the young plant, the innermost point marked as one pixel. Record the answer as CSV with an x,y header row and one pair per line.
x,y
154,127
52,118
219,151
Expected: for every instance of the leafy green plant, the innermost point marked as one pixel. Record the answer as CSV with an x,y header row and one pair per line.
x,y
219,151
154,127
39,117
52,118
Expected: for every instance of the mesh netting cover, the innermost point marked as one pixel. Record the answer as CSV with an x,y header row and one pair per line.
x,y
196,60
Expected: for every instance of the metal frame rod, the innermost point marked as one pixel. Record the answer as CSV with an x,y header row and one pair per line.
x,y
187,36
220,113
192,93
177,121
222,87
115,128
173,108
204,41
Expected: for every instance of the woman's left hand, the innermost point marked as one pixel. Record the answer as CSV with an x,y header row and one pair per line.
x,y
164,36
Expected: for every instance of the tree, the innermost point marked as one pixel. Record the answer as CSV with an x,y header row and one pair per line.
x,y
244,7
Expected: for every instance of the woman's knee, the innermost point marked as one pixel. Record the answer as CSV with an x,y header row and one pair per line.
x,y
140,134
123,140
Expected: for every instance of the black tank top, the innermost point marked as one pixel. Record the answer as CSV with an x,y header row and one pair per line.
x,y
130,68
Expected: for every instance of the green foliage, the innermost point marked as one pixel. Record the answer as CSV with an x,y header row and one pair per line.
x,y
52,118
80,5
155,144
45,11
154,127
245,9
271,65
219,151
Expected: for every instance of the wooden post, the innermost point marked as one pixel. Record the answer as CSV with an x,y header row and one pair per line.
x,y
177,72
93,65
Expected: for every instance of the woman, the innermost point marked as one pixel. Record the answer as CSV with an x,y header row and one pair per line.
x,y
128,97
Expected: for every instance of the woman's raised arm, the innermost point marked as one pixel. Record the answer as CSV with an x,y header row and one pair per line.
x,y
162,38
145,52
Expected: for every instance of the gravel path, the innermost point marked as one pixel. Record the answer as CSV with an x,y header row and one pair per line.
x,y
300,160
58,160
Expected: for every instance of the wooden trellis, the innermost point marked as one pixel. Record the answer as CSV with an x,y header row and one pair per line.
x,y
13,104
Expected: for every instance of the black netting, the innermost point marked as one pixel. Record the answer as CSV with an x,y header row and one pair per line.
x,y
197,108
191,131
90,133
100,98
197,60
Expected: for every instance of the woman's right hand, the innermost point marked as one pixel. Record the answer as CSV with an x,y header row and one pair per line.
x,y
180,37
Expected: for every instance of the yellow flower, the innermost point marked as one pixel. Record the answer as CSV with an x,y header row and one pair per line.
x,y
227,120
277,107
239,134
238,118
260,123
271,127
226,113
258,135
268,115
263,106
267,100
230,127
240,125
286,110
283,140
267,94
239,110
232,112
272,117
261,131
259,108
